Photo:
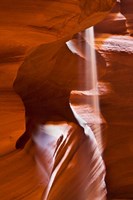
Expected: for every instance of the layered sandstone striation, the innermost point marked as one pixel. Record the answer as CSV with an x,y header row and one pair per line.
x,y
28,29
117,103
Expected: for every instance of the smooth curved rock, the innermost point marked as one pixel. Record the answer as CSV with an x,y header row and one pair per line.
x,y
116,22
54,19
55,64
117,108
23,28
75,151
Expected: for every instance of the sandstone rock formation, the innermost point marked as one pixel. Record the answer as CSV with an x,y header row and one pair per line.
x,y
126,10
116,22
116,105
114,44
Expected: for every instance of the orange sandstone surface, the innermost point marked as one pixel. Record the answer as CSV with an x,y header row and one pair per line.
x,y
63,161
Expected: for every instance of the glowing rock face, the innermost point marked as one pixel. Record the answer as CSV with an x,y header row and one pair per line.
x,y
27,24
78,171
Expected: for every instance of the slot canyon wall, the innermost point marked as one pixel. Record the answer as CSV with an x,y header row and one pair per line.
x,y
114,42
24,28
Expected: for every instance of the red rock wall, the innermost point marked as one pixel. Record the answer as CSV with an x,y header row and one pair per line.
x,y
24,29
115,44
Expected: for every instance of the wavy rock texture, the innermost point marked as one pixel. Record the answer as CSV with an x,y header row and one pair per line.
x,y
74,152
117,106
27,25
